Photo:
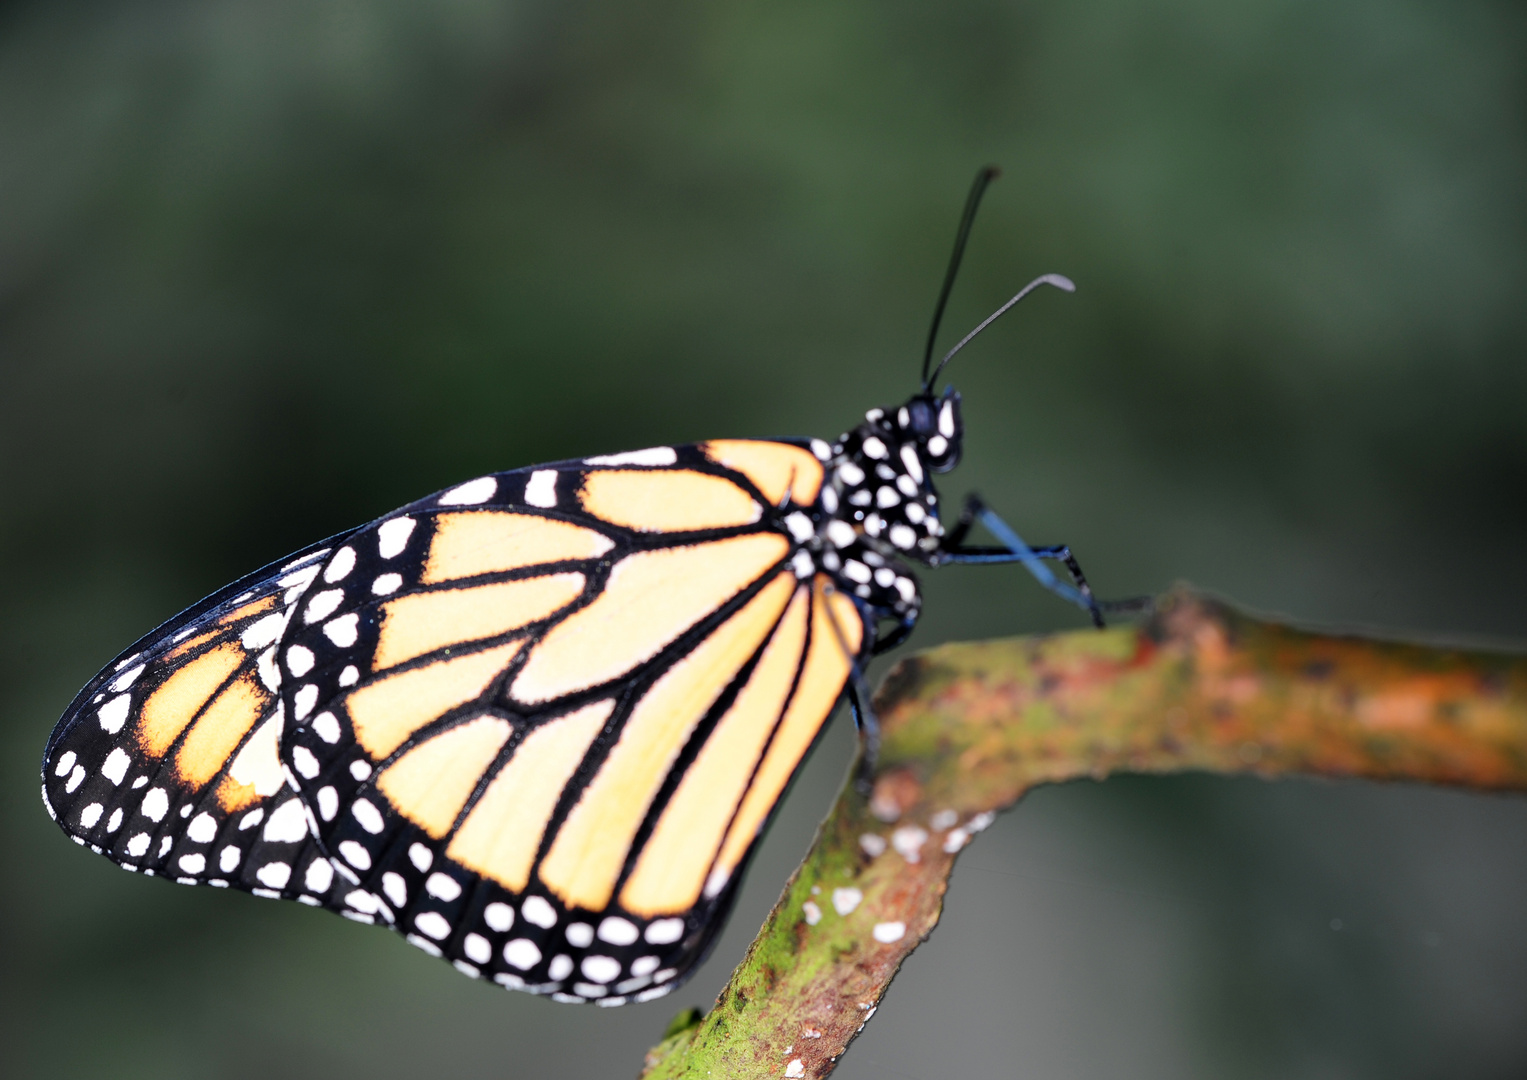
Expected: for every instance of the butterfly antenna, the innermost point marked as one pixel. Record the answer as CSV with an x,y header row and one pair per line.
x,y
987,174
1061,282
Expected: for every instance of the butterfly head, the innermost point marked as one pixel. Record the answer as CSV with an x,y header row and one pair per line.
x,y
934,425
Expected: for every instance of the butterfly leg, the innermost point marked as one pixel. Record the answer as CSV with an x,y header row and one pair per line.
x,y
858,693
857,690
1013,549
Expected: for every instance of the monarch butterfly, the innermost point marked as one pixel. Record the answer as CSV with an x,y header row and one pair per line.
x,y
537,722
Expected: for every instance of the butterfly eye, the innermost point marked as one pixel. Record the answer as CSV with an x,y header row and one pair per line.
x,y
920,418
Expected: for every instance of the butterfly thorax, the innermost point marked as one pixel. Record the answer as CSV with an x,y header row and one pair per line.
x,y
878,508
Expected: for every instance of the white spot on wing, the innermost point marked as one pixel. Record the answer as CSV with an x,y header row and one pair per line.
x,y
618,931
600,969
541,488
340,566
422,857
442,887
193,864
155,804
203,828
301,579
265,667
274,875
323,605
299,660
328,802
115,821
385,584
498,916
319,876
354,854
343,631
305,762
665,931
91,814
137,847
304,700
522,953
536,910
580,935
326,726
114,714
368,815
228,859
392,536
560,967
471,493
657,455
126,679
395,888
287,824
477,948
257,635
66,762
114,768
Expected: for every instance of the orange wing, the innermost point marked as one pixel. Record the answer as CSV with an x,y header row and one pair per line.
x,y
543,717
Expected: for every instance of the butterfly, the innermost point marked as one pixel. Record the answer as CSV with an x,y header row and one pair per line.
x,y
536,723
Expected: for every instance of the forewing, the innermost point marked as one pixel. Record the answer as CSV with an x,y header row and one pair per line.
x,y
167,761
542,718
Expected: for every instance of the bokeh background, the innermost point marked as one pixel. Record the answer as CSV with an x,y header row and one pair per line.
x,y
269,270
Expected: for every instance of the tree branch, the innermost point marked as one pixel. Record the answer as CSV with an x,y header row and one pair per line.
x,y
969,728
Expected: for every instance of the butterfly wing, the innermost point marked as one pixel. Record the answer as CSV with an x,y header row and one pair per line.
x,y
167,761
542,718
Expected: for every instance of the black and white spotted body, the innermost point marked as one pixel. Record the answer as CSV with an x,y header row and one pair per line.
x,y
879,509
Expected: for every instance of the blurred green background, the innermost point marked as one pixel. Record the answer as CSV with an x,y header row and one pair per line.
x,y
269,270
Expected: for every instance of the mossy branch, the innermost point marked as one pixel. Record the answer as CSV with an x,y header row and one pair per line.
x,y
968,729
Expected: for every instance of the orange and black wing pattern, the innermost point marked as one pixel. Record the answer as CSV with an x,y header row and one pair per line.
x,y
543,717
536,723
168,761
